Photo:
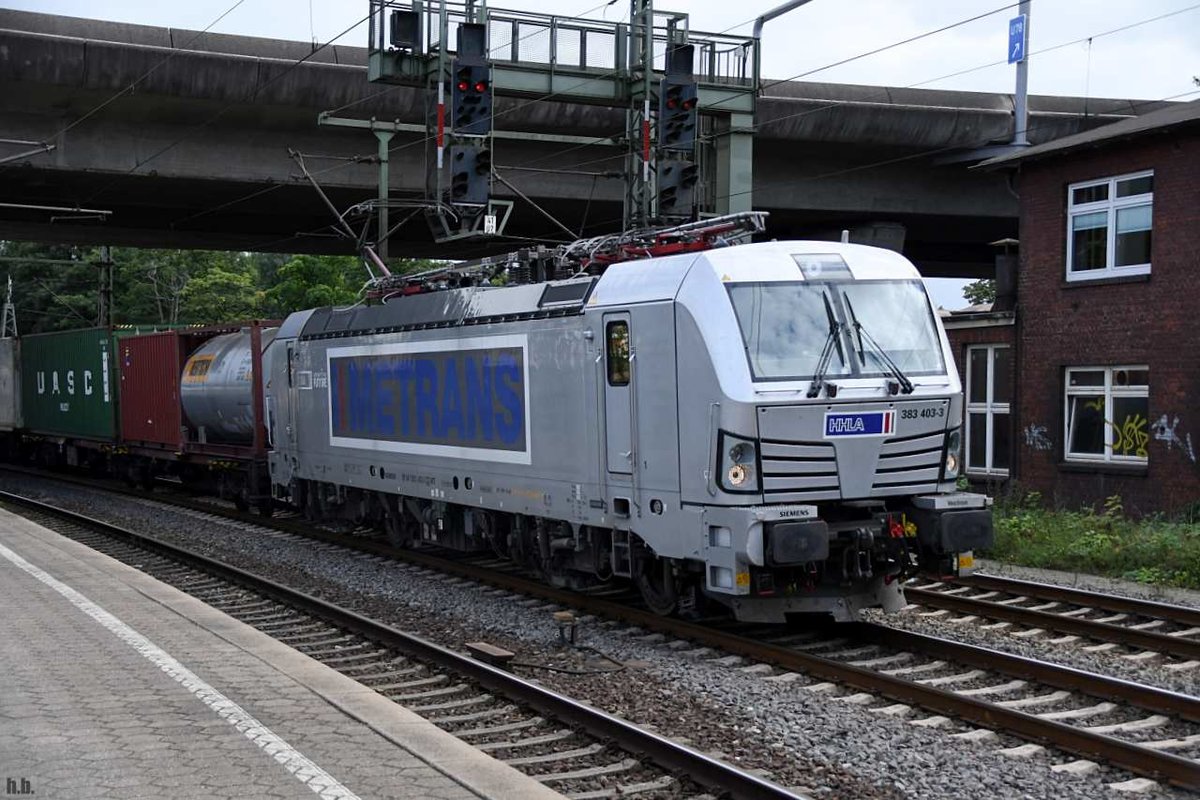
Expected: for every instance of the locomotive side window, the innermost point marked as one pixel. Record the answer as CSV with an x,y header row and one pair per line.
x,y
617,336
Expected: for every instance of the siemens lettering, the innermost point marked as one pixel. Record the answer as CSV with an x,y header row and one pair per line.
x,y
465,402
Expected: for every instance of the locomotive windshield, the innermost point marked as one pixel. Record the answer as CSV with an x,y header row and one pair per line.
x,y
785,327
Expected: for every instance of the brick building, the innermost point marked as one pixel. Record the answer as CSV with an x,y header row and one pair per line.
x,y
1091,388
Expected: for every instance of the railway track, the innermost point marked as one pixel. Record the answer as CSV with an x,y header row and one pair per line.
x,y
1147,731
1029,609
573,748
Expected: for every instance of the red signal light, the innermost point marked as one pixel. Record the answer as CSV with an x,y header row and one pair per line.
x,y
480,87
672,103
689,104
463,85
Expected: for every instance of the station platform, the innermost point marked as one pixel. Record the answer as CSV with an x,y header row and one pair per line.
x,y
115,685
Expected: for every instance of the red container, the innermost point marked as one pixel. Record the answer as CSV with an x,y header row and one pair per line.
x,y
150,366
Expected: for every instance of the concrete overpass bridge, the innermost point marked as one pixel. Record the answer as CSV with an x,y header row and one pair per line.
x,y
197,155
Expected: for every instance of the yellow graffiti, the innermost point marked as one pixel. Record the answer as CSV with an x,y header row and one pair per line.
x,y
1131,437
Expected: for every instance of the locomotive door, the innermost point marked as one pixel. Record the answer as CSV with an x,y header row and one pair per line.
x,y
289,421
618,393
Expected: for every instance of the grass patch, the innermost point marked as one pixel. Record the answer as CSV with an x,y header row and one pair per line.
x,y
1152,551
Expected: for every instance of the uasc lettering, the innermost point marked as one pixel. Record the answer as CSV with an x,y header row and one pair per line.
x,y
65,383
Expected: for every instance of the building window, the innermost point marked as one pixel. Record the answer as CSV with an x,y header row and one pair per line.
x,y
1106,414
1109,227
989,391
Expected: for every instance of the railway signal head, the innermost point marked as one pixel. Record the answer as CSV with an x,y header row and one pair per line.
x,y
678,114
471,99
677,181
470,175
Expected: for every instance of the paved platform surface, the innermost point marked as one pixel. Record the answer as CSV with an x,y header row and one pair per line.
x,y
114,685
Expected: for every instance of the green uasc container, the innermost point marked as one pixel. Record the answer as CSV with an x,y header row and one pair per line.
x,y
68,385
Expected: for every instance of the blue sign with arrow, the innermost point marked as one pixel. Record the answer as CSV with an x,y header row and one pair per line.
x,y
1017,38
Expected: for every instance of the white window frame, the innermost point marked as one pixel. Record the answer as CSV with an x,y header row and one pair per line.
x,y
990,408
1109,391
1110,206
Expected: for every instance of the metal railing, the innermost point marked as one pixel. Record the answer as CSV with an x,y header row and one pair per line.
x,y
569,44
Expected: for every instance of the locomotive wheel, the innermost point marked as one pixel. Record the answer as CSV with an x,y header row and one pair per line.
x,y
492,532
655,579
399,526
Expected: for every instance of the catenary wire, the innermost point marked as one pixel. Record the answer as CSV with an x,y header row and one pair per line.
x,y
484,249
223,111
391,89
883,93
424,140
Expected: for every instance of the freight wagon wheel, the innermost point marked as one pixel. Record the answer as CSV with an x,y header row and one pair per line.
x,y
655,579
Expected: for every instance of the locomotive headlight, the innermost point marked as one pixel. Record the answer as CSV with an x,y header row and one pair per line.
x,y
739,464
953,454
738,474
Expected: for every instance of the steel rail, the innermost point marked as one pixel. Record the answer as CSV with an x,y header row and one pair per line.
x,y
1102,631
1127,755
663,751
1183,615
1140,695
1139,760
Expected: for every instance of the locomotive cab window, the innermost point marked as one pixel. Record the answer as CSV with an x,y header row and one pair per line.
x,y
617,336
866,326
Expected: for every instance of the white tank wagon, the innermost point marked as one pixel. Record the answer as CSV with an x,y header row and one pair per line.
x,y
774,427
215,388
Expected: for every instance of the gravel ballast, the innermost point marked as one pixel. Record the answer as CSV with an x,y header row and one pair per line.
x,y
800,738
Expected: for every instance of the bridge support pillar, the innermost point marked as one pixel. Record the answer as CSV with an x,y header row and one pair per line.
x,y
734,134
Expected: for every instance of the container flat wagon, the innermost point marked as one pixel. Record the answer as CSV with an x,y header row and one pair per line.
x,y
68,396
192,407
10,396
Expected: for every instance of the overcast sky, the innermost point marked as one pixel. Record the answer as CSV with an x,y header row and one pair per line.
x,y
1155,60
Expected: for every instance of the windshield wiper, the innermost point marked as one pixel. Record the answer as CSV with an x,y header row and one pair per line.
x,y
832,340
906,385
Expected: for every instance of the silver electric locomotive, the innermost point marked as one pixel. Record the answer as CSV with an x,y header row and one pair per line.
x,y
774,427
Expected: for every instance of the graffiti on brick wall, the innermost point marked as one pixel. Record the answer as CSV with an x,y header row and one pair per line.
x,y
1037,438
1164,432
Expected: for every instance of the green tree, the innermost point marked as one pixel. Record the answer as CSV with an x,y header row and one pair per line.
x,y
54,286
980,291
312,281
57,287
220,295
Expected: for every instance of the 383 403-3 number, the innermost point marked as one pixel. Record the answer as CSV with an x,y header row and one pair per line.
x,y
923,413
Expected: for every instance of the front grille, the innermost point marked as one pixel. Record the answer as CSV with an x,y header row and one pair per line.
x,y
909,465
808,471
799,471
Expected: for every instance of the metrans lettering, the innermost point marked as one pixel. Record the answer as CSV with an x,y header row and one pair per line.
x,y
471,400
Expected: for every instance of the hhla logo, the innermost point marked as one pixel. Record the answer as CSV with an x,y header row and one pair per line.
x,y
17,786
